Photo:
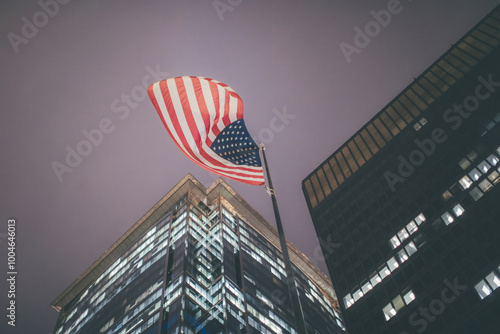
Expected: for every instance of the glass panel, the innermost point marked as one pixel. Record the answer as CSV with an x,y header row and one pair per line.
x,y
409,297
403,112
396,118
412,227
482,47
389,312
384,272
438,83
450,69
369,141
310,193
465,182
343,164
395,242
357,295
398,303
464,163
403,235
348,301
484,167
392,264
356,153
445,77
389,123
458,210
375,279
475,194
382,129
336,170
463,67
350,159
447,218
411,107
493,280
402,256
471,51
420,219
483,290
317,188
362,146
464,57
421,92
474,174
416,99
366,287
485,185
323,182
329,175
494,177
411,248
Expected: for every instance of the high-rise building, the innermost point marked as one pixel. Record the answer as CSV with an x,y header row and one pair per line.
x,y
411,202
200,261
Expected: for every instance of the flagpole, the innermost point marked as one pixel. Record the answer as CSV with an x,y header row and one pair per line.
x,y
292,288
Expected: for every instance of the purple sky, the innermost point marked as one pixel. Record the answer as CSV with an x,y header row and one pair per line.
x,y
75,71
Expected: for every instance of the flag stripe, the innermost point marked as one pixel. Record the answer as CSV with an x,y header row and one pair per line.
x,y
194,111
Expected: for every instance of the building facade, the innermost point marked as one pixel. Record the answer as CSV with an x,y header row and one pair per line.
x,y
411,201
200,261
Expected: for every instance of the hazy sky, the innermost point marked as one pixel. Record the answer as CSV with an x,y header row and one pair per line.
x,y
77,69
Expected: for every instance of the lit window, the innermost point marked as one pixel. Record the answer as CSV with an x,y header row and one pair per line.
x,y
483,290
447,218
485,185
409,297
493,280
475,174
402,256
389,311
392,264
493,160
403,235
498,150
494,177
384,272
412,227
348,301
358,294
484,167
458,210
420,219
475,193
366,287
464,163
395,242
398,303
447,195
411,249
465,182
375,279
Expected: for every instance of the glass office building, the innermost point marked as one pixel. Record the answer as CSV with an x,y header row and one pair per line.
x,y
200,261
413,201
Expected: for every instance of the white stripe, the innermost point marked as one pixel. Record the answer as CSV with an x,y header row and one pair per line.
x,y
193,103
209,99
222,101
233,108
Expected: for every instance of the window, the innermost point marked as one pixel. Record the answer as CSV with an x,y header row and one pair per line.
x,y
358,294
402,256
494,177
458,210
411,249
475,194
375,279
392,264
366,287
420,219
384,272
395,242
493,160
464,163
483,289
465,182
403,234
493,280
485,185
348,301
391,309
484,167
447,218
475,174
412,227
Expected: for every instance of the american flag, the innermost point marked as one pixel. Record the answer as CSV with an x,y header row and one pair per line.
x,y
204,117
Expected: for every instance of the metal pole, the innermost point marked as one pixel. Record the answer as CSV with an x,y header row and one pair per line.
x,y
292,288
